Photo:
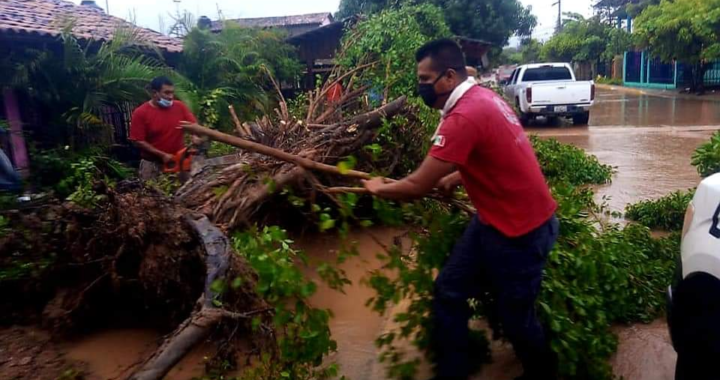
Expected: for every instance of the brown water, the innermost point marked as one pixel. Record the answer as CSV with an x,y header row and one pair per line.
x,y
113,354
650,141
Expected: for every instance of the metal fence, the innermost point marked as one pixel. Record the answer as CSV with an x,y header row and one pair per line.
x,y
119,117
633,67
660,72
712,75
711,78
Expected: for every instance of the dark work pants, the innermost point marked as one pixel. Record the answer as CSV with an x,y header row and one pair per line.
x,y
511,270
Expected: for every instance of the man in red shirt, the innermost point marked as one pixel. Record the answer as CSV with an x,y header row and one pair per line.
x,y
155,128
481,145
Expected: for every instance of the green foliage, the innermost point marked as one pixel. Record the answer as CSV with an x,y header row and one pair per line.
x,y
218,149
610,81
494,21
415,270
586,40
4,226
231,67
303,333
73,176
529,51
707,157
599,274
19,268
391,38
680,29
566,163
597,277
74,86
72,374
685,30
667,213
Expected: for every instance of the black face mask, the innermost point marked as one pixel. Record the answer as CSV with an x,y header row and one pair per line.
x,y
427,91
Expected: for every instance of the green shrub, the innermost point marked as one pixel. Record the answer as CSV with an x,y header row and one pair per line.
x,y
303,334
707,157
598,275
667,213
567,163
610,81
72,174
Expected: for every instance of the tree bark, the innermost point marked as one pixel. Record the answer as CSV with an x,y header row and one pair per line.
x,y
200,324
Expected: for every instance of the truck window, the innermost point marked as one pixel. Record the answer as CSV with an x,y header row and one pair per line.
x,y
513,77
547,73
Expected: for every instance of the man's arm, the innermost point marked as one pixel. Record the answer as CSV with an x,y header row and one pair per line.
x,y
147,148
416,185
450,182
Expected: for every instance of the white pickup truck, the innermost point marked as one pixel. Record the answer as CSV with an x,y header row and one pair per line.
x,y
693,311
550,90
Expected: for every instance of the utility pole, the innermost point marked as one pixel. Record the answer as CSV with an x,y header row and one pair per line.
x,y
559,20
107,6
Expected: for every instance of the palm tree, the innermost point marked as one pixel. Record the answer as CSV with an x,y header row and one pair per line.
x,y
74,89
230,68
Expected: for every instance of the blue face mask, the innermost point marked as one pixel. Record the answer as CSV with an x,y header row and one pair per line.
x,y
164,103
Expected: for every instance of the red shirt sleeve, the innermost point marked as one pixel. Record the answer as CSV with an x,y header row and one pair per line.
x,y
187,114
455,140
138,125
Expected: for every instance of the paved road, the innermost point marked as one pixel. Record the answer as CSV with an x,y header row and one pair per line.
x,y
650,139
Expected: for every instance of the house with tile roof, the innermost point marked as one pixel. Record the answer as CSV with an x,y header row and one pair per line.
x,y
38,24
44,20
293,25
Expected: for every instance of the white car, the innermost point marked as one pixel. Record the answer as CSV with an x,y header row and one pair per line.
x,y
694,300
550,90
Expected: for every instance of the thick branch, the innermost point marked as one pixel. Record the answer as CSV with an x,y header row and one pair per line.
x,y
368,120
199,325
272,152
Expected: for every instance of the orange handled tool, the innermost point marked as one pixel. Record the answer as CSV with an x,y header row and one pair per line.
x,y
181,162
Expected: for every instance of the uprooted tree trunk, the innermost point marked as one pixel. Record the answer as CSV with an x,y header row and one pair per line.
x,y
259,171
162,253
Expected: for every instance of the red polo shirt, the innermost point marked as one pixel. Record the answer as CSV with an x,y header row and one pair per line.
x,y
159,127
483,137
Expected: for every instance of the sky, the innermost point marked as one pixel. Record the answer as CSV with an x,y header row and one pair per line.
x,y
147,13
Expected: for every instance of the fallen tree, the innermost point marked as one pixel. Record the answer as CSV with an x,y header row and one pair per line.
x,y
144,250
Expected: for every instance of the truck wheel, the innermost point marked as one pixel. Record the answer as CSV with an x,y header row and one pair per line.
x,y
581,118
525,119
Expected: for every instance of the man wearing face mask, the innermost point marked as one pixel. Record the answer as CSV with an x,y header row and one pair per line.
x,y
155,128
481,145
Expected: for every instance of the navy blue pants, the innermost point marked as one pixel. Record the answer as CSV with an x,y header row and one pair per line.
x,y
510,270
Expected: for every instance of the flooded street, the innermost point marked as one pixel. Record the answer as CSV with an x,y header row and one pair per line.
x,y
649,139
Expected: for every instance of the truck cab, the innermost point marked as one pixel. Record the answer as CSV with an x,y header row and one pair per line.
x,y
550,90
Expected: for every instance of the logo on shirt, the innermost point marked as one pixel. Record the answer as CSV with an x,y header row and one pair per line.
x,y
439,141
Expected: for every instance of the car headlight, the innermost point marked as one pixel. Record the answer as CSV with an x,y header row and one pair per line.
x,y
689,214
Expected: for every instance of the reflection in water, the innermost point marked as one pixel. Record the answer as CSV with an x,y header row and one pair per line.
x,y
627,109
649,139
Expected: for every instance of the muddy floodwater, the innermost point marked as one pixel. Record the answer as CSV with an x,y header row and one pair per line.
x,y
649,139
